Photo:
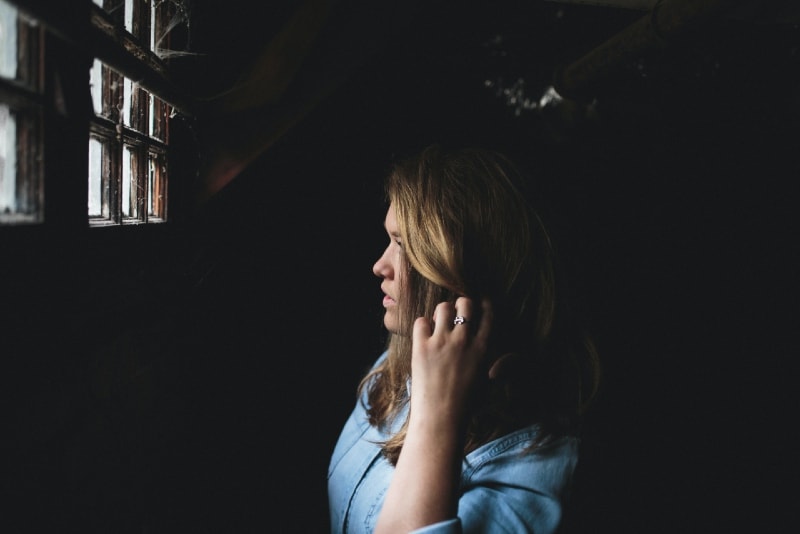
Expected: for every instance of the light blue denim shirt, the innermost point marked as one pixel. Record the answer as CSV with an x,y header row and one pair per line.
x,y
503,489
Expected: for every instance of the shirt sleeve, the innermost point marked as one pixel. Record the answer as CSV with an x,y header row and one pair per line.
x,y
508,490
510,510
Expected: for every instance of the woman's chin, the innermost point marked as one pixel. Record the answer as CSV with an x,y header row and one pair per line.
x,y
391,326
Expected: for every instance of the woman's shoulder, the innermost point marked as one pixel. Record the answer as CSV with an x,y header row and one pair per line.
x,y
526,439
524,456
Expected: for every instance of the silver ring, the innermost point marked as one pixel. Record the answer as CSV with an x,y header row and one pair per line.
x,y
460,319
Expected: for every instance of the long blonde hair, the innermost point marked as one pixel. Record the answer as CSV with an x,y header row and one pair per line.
x,y
468,229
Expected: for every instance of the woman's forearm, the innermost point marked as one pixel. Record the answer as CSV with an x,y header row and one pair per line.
x,y
424,488
445,364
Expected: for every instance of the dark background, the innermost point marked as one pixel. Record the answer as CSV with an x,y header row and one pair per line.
x,y
200,387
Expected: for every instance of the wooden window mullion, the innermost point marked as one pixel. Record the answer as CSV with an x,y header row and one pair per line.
x,y
141,22
117,149
139,109
29,192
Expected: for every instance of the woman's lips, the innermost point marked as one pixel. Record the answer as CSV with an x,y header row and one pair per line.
x,y
388,301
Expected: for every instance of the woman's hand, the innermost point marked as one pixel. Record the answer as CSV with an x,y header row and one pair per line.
x,y
448,360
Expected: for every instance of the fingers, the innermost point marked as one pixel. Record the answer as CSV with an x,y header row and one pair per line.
x,y
463,315
448,315
422,329
460,316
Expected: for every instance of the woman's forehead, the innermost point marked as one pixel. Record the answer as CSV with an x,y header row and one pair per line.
x,y
391,217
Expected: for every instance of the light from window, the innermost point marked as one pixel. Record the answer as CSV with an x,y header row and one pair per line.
x,y
96,179
153,42
8,128
8,160
128,183
96,86
8,41
129,16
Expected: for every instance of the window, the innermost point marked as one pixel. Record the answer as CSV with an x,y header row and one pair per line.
x,y
21,188
127,146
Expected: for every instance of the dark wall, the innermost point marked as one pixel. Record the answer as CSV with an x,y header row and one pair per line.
x,y
200,386
671,205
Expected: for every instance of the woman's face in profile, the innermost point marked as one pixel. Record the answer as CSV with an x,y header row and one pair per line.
x,y
389,268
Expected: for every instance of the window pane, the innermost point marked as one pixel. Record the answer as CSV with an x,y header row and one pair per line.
x,y
8,161
158,116
111,92
115,8
153,27
126,101
95,178
8,40
21,190
129,16
151,114
156,187
96,86
128,182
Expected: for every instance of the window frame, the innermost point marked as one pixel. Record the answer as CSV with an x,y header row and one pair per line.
x,y
81,34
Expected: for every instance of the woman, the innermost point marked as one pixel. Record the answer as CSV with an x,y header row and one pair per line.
x,y
468,421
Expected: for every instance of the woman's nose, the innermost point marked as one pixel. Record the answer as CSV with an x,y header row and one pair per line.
x,y
382,268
